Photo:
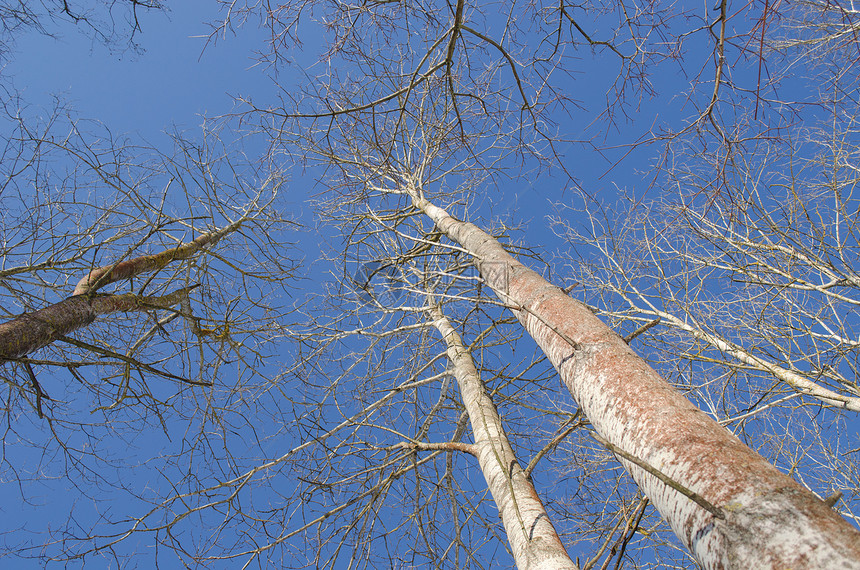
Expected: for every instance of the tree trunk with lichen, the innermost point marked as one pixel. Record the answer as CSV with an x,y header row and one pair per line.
x,y
32,331
760,517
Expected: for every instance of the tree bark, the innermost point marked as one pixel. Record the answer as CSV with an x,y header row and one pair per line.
x,y
106,274
32,331
533,539
769,520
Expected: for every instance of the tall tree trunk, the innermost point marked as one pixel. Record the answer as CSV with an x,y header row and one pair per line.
x,y
533,539
763,518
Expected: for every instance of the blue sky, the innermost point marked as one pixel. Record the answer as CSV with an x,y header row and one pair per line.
x,y
174,81
178,79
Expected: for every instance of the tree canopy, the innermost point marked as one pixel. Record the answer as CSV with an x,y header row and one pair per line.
x,y
455,284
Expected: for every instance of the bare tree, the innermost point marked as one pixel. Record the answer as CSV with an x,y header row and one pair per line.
x,y
89,206
132,280
358,461
758,290
533,539
704,464
432,117
696,473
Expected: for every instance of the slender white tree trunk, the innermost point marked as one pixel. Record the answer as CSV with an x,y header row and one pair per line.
x,y
763,518
533,539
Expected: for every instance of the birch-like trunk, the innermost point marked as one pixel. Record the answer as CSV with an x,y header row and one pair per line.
x,y
767,520
533,539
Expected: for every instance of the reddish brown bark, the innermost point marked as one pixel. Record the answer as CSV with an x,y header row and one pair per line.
x,y
32,331
769,520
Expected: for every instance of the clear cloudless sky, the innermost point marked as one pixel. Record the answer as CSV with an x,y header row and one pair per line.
x,y
178,79
174,81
